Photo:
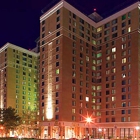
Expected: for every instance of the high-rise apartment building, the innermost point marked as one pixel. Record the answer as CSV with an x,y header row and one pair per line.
x,y
92,69
19,81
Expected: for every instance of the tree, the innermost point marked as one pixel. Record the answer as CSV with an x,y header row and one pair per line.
x,y
9,119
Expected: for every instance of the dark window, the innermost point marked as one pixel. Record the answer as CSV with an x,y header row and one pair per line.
x,y
113,119
56,94
58,11
123,97
57,56
57,64
57,79
58,33
43,104
74,81
107,85
74,16
57,19
57,101
57,26
107,92
56,117
57,49
123,111
43,22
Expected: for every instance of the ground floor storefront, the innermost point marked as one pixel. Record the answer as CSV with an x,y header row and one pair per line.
x,y
67,130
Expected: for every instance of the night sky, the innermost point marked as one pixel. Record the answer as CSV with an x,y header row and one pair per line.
x,y
19,23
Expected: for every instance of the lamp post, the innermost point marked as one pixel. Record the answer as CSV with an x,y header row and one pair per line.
x,y
136,132
100,130
88,120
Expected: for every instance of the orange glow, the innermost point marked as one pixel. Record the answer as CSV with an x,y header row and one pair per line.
x,y
88,119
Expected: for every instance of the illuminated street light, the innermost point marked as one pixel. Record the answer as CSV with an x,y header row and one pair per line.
x,y
88,120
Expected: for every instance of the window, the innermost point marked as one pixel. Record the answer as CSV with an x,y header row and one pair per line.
x,y
123,17
57,26
99,29
56,117
107,112
57,19
114,35
123,24
87,99
81,21
56,94
57,64
124,82
73,103
123,67
123,104
124,31
57,71
74,16
107,25
57,49
57,56
57,79
123,97
123,119
43,22
113,119
58,11
114,28
123,111
74,81
107,32
58,33
129,111
124,89
57,102
114,21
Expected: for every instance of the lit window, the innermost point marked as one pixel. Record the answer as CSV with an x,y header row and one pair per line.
x,y
57,87
123,17
114,49
113,98
93,68
123,75
73,111
123,60
108,58
99,55
99,29
87,99
99,87
129,29
98,107
123,46
57,71
98,113
93,42
87,58
93,100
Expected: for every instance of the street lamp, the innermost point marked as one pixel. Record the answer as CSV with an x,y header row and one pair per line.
x,y
136,133
88,120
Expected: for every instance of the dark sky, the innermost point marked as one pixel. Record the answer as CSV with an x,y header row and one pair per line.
x,y
19,19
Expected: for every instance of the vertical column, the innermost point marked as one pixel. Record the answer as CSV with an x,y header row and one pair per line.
x,y
49,107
